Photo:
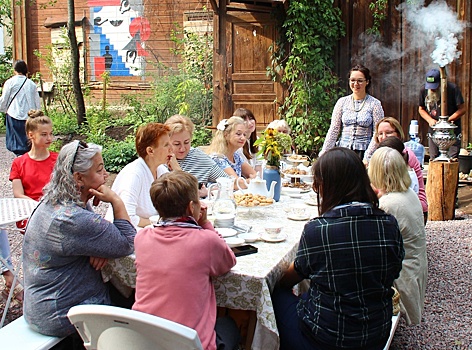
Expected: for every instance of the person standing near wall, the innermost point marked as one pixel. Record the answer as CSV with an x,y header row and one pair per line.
x,y
19,95
430,109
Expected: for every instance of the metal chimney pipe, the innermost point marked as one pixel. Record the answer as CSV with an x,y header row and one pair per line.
x,y
443,76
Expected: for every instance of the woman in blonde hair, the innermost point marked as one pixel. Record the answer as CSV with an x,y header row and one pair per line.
x,y
230,136
389,177
190,159
29,174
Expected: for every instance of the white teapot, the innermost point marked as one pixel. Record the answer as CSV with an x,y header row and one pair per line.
x,y
258,186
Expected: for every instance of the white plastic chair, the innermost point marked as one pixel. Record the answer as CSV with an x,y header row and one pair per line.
x,y
106,327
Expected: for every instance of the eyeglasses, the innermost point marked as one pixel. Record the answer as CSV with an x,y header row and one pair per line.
x,y
358,81
79,144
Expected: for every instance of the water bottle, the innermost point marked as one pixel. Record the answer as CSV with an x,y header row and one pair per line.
x,y
414,143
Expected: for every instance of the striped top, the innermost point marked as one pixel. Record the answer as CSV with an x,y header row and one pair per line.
x,y
200,165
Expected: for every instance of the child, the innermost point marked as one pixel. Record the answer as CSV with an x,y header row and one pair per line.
x,y
176,259
29,174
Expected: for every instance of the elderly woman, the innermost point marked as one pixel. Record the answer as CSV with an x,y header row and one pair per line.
x,y
230,136
66,243
352,254
192,160
387,127
389,175
134,181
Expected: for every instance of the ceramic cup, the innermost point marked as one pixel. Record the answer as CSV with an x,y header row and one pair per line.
x,y
154,219
299,211
273,230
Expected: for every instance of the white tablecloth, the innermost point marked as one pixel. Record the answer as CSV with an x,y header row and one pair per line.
x,y
248,285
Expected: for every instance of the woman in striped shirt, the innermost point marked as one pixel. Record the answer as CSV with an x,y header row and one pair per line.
x,y
191,160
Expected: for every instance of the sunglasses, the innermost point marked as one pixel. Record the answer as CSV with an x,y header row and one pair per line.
x,y
80,144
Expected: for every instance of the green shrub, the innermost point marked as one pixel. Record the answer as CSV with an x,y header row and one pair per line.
x,y
117,154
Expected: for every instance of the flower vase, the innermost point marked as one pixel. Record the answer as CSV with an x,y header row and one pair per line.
x,y
272,173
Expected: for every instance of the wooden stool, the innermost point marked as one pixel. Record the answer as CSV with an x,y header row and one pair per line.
x,y
441,190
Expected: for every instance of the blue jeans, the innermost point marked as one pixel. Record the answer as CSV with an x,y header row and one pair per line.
x,y
4,251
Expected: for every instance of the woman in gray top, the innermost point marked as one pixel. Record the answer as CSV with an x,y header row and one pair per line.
x,y
66,243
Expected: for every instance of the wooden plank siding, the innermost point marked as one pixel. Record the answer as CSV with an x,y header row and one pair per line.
x,y
397,81
162,16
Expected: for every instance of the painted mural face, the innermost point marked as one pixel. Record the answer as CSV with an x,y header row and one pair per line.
x,y
117,44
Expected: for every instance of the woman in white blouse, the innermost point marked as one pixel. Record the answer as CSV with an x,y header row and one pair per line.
x,y
134,181
355,115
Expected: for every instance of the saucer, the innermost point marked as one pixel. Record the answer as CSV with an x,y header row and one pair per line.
x,y
298,217
249,237
234,241
226,231
311,202
267,238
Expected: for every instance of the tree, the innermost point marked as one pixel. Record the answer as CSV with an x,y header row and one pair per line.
x,y
75,59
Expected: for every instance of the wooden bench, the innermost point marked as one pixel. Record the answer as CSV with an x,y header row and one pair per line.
x,y
395,321
19,335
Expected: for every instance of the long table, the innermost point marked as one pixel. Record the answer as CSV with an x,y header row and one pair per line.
x,y
249,283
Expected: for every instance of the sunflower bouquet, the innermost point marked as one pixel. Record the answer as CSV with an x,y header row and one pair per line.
x,y
272,145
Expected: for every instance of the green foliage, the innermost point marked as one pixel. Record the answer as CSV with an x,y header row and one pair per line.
x,y
272,145
379,14
201,136
58,60
117,154
62,123
304,57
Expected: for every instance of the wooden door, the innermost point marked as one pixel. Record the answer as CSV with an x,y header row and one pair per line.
x,y
243,66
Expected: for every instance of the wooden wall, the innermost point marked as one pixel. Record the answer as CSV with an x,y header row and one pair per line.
x,y
398,71
154,19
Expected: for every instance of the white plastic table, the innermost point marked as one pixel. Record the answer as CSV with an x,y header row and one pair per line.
x,y
15,209
11,211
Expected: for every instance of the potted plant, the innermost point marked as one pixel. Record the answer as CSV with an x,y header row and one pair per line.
x,y
272,145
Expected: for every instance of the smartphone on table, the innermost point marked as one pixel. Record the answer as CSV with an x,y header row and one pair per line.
x,y
244,250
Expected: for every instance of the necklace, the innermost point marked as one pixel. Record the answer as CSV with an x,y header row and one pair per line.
x,y
357,105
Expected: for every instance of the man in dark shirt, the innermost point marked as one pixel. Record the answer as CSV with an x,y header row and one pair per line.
x,y
430,109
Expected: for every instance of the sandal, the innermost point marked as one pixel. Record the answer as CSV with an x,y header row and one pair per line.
x,y
17,297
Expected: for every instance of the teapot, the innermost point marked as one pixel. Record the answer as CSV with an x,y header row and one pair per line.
x,y
259,186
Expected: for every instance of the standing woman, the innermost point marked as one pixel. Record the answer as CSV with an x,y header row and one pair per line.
x,y
355,115
134,181
351,254
230,136
19,95
389,175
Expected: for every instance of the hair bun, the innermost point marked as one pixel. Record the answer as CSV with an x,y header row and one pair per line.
x,y
34,113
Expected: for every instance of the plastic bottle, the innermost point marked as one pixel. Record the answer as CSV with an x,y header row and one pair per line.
x,y
414,143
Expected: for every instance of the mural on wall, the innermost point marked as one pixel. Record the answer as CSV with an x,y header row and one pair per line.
x,y
117,43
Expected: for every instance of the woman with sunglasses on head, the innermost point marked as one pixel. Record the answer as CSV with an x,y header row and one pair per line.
x,y
355,115
66,243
